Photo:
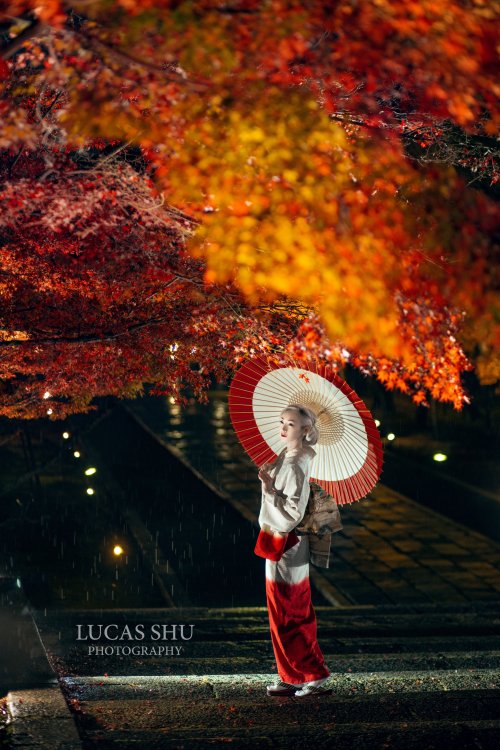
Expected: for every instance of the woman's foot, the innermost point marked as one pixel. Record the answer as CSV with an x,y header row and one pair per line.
x,y
315,687
282,688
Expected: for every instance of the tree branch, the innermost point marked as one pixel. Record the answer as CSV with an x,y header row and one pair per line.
x,y
15,44
174,76
84,339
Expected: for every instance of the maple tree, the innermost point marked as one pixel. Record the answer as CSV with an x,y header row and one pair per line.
x,y
99,295
293,188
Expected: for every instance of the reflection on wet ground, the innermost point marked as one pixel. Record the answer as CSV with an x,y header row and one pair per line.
x,y
391,549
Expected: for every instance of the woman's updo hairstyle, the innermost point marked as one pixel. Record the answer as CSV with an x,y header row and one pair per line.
x,y
308,419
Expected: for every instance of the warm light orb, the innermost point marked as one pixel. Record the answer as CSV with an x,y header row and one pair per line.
x,y
90,491
46,394
76,454
49,411
377,422
117,550
440,457
65,435
91,470
391,436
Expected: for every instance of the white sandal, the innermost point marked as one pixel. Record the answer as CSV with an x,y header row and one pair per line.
x,y
282,688
315,687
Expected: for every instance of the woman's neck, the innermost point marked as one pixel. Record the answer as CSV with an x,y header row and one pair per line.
x,y
293,447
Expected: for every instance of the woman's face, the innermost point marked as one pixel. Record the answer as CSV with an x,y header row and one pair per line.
x,y
291,427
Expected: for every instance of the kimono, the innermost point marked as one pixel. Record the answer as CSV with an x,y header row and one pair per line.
x,y
292,618
283,508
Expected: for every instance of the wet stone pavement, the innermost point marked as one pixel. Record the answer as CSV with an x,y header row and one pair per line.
x,y
391,550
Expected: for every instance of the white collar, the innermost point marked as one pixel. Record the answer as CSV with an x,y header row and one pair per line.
x,y
296,451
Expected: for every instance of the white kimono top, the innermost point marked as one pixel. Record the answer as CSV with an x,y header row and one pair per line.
x,y
283,508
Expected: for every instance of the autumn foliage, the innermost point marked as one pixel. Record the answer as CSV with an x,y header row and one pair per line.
x,y
233,178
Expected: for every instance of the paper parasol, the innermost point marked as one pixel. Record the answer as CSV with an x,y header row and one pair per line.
x,y
349,455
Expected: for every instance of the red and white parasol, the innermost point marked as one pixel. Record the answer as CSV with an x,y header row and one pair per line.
x,y
349,455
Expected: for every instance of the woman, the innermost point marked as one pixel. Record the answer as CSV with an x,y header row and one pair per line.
x,y
285,492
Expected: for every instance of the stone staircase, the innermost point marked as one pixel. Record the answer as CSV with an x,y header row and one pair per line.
x,y
413,676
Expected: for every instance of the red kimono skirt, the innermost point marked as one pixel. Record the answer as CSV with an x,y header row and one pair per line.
x,y
292,618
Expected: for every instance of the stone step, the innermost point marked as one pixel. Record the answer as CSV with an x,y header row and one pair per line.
x,y
388,645
405,735
361,612
178,665
244,685
226,625
406,710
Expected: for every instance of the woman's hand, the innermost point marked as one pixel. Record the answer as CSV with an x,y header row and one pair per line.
x,y
266,478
